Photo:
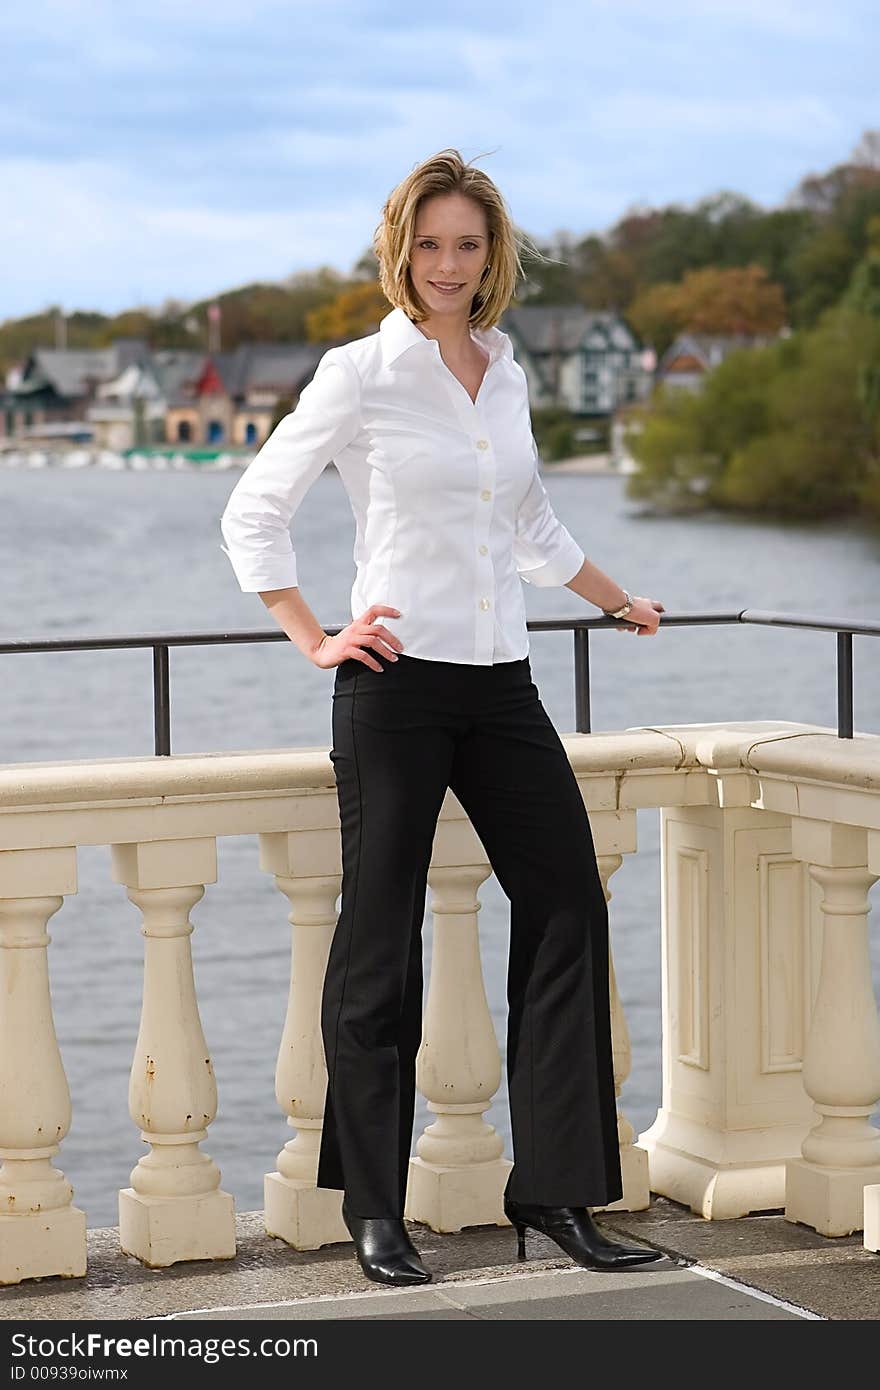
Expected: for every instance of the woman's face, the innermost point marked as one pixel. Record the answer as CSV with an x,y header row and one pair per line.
x,y
450,248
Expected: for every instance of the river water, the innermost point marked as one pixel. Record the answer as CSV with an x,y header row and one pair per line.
x,y
95,551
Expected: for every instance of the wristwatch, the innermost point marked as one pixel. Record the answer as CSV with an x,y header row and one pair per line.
x,y
620,612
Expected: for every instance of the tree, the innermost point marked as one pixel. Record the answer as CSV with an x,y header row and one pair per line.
x,y
352,314
133,323
667,439
867,152
791,429
863,293
737,300
366,267
655,314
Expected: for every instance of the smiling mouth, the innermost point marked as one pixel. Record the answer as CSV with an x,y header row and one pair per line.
x,y
447,288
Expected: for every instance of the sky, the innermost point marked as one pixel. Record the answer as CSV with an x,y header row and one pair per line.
x,y
161,149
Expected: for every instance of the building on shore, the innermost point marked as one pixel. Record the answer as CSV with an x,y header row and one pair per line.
x,y
686,361
585,361
56,386
127,396
234,398
131,396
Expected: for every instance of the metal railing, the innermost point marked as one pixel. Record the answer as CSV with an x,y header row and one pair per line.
x,y
161,645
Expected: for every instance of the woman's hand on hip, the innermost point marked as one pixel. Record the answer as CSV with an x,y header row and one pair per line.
x,y
353,641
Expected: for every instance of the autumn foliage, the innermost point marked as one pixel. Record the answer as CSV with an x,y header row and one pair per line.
x,y
352,314
741,299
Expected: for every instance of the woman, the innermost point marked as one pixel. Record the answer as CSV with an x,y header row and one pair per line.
x,y
428,423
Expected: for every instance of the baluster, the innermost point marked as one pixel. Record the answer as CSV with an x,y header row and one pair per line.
x,y
174,1209
457,1178
841,1072
304,1215
633,1159
41,1232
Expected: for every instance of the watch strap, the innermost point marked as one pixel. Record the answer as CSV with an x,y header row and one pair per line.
x,y
621,612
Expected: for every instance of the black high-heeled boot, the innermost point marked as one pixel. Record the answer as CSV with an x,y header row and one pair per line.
x,y
573,1230
384,1250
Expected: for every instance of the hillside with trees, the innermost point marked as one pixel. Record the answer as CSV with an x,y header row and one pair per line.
x,y
656,266
791,427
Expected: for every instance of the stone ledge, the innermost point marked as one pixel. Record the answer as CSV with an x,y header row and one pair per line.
x,y
117,1286
837,1279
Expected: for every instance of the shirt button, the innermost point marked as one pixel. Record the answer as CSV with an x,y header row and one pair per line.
x,y
482,443
485,494
484,603
484,550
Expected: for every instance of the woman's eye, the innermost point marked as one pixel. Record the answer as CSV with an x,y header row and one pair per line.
x,y
428,245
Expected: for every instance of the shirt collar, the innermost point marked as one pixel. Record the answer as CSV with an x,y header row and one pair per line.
x,y
398,334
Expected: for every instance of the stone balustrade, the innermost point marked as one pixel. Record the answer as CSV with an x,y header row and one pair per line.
x,y
770,844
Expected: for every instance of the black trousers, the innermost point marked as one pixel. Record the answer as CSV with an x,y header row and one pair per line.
x,y
401,736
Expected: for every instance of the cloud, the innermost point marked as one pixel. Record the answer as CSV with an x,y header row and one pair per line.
x,y
175,149
796,19
801,118
114,247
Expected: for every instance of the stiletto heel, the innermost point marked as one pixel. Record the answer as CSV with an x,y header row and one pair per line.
x,y
573,1230
384,1250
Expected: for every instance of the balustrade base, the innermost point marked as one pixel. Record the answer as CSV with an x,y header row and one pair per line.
x,y
304,1216
37,1245
872,1217
716,1194
636,1183
449,1198
720,1174
162,1231
830,1200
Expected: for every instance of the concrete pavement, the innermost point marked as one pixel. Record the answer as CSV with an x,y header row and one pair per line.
x,y
758,1268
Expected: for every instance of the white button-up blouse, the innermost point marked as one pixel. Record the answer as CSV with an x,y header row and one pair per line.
x,y
449,506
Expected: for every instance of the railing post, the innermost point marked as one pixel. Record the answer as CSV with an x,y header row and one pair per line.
x,y
161,701
582,718
844,685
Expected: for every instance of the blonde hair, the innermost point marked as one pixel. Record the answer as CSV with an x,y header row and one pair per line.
x,y
447,172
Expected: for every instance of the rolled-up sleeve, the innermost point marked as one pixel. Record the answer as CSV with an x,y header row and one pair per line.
x,y
256,521
546,554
